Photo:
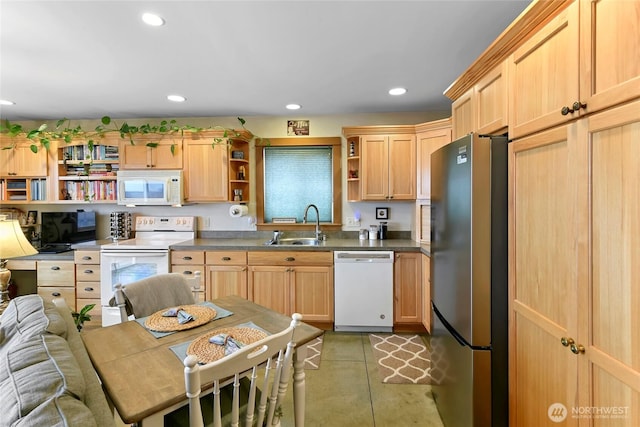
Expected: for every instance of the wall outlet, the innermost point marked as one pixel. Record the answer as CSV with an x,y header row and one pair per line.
x,y
204,223
352,222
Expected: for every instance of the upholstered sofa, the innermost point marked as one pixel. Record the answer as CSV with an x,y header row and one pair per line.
x,y
46,376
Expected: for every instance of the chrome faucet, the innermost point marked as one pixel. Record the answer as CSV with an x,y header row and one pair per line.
x,y
304,219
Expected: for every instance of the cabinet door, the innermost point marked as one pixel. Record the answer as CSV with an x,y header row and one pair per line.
x,y
312,289
375,167
543,278
543,76
427,143
426,292
21,161
610,46
205,172
407,280
134,156
269,287
402,167
462,115
609,292
167,155
491,103
226,280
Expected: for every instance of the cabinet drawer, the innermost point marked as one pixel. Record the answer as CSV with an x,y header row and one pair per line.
x,y
88,290
88,273
226,257
48,293
188,270
187,257
86,257
56,273
290,258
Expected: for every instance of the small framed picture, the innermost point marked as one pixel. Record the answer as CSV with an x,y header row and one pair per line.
x,y
32,217
382,213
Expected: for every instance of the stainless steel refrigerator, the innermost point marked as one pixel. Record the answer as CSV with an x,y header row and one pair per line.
x,y
469,365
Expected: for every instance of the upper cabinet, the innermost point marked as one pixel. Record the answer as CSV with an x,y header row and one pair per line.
x,y
580,62
20,161
490,98
482,108
151,154
216,168
462,115
23,173
429,137
388,167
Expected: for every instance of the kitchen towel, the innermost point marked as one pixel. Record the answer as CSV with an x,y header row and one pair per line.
x,y
236,211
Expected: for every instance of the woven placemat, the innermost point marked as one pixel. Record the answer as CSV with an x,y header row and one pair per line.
x,y
159,323
207,352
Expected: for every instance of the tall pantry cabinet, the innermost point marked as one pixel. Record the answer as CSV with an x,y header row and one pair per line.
x,y
574,219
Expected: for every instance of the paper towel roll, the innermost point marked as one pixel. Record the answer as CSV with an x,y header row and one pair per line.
x,y
238,210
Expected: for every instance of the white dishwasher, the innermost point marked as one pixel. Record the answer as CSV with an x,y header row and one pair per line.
x,y
363,292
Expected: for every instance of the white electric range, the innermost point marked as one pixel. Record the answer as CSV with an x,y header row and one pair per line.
x,y
146,255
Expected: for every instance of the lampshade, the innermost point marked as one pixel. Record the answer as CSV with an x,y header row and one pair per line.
x,y
13,242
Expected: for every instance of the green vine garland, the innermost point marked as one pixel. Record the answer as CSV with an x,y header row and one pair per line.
x,y
65,132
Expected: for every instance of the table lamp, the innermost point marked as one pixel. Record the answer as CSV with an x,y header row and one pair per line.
x,y
13,244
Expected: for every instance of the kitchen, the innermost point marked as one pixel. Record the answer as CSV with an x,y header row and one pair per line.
x,y
532,131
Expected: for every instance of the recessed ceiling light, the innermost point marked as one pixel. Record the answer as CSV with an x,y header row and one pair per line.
x,y
6,102
397,91
152,19
293,107
176,98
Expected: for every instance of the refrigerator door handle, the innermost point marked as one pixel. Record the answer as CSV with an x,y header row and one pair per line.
x,y
455,333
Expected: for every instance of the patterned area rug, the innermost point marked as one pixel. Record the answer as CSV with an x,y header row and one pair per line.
x,y
402,359
314,350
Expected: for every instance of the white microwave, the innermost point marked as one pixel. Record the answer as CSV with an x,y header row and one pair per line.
x,y
150,187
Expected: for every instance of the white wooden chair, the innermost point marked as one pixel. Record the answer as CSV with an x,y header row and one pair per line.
x,y
151,294
263,394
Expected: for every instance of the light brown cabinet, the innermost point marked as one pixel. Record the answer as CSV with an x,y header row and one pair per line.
x,y
87,263
151,154
572,286
187,263
23,173
407,282
429,137
206,171
463,118
388,167
20,161
56,279
490,97
426,292
226,273
577,64
290,282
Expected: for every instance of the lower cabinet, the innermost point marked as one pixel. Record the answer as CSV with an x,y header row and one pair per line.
x,y
290,282
226,273
56,279
87,263
426,292
407,278
187,263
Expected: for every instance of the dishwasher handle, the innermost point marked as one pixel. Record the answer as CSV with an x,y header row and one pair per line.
x,y
363,256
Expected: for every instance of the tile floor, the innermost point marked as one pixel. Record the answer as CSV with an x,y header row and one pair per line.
x,y
347,391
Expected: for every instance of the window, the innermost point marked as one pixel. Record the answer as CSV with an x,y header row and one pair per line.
x,y
292,173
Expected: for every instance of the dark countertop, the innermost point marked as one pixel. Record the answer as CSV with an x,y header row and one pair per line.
x,y
404,245
213,244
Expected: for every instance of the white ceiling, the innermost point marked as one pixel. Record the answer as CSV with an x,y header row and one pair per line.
x,y
86,59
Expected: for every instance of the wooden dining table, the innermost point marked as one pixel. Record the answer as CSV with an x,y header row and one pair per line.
x,y
144,379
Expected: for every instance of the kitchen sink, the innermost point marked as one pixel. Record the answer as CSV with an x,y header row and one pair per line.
x,y
294,241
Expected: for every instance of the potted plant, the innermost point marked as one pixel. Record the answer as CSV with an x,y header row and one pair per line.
x,y
79,317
